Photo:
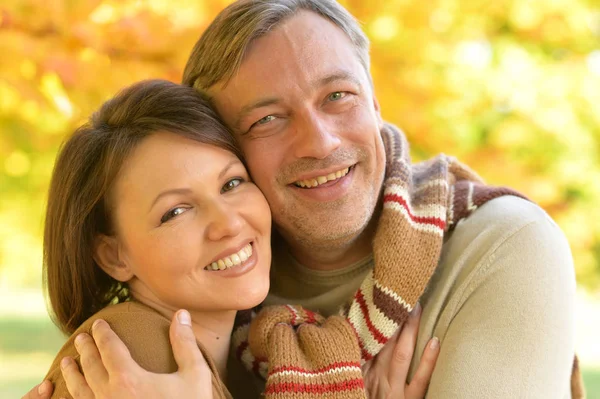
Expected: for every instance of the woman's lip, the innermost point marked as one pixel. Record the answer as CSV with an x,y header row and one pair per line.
x,y
230,251
240,269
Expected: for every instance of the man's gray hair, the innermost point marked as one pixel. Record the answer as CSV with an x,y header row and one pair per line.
x,y
220,50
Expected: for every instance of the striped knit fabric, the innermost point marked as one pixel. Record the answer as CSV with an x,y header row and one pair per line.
x,y
300,353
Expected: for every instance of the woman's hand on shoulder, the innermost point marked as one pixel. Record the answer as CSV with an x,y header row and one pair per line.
x,y
110,372
385,375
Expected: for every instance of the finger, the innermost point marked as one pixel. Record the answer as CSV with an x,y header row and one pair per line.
x,y
76,383
384,356
91,361
185,349
115,356
420,382
41,391
404,350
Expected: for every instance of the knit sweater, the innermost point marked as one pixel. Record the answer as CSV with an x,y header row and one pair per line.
x,y
301,353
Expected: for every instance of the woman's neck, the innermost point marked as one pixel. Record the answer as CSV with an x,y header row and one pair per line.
x,y
211,329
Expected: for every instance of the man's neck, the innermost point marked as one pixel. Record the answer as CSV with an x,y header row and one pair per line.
x,y
331,255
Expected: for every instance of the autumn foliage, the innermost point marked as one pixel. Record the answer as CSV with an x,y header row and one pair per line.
x,y
510,87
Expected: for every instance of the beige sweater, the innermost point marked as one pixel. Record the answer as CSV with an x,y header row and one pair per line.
x,y
145,332
501,302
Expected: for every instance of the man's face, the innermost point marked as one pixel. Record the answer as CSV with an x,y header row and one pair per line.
x,y
303,111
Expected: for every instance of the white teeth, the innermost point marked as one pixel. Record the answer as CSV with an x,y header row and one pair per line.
x,y
232,260
309,183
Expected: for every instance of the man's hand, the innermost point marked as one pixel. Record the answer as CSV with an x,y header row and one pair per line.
x,y
110,372
385,375
41,391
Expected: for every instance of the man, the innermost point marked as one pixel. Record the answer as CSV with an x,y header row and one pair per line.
x,y
291,79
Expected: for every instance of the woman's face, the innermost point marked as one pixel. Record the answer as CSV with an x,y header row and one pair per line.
x,y
191,227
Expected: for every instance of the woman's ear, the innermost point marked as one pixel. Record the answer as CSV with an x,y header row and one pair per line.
x,y
106,255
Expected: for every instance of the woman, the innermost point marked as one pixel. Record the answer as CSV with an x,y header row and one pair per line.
x,y
151,210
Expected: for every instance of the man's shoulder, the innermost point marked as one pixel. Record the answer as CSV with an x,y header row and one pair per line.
x,y
499,218
500,234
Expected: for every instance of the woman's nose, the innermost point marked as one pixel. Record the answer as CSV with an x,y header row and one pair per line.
x,y
225,221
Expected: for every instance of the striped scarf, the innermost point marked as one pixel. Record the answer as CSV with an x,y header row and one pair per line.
x,y
301,353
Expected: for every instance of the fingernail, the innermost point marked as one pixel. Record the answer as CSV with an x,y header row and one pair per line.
x,y
43,388
184,318
96,323
64,363
416,310
78,341
435,343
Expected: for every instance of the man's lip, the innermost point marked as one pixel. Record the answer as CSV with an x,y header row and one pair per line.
x,y
324,172
230,251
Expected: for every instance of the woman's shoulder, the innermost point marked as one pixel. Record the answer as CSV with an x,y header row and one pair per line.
x,y
126,316
144,331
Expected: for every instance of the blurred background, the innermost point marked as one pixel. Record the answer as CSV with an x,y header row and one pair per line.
x,y
511,87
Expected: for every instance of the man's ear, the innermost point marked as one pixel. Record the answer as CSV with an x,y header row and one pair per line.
x,y
106,255
378,112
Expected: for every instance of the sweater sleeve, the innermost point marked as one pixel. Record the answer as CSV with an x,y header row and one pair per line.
x,y
503,307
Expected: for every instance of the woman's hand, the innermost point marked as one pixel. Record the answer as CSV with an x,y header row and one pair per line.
x,y
110,372
385,375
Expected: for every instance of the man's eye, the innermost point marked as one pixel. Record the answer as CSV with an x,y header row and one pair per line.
x,y
265,120
172,213
231,184
336,95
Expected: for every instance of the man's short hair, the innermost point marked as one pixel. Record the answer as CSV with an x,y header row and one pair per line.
x,y
220,50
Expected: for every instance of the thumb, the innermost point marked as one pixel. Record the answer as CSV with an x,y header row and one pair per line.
x,y
41,391
188,356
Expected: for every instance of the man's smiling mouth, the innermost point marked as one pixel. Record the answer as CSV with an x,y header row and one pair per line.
x,y
319,180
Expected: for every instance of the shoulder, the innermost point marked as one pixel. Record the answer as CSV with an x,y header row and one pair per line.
x,y
503,214
502,221
127,317
144,331
509,234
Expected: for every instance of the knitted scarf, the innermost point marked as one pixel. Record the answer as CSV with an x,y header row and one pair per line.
x,y
301,353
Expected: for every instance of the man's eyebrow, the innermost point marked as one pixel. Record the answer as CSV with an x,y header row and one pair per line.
x,y
265,102
335,77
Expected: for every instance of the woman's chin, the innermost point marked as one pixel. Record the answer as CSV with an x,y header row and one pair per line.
x,y
250,299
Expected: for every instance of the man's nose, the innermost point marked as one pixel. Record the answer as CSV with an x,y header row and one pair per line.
x,y
224,221
315,137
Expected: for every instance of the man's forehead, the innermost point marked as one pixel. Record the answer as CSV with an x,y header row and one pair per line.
x,y
306,35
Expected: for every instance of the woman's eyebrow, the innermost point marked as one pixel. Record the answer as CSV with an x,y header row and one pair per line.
x,y
227,167
183,190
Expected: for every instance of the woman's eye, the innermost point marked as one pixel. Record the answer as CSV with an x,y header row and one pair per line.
x,y
336,95
231,184
172,213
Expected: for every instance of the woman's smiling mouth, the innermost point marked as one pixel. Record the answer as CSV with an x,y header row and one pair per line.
x,y
232,260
